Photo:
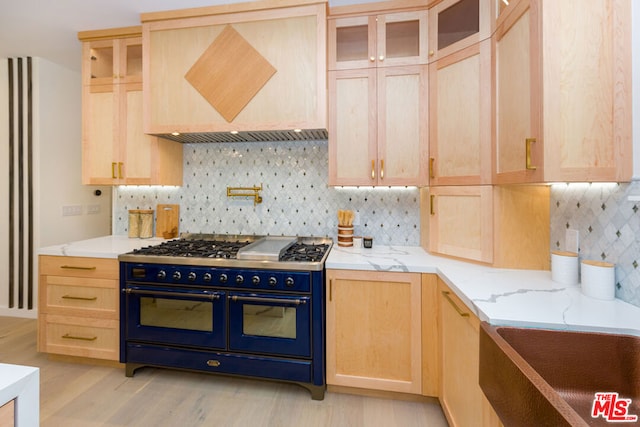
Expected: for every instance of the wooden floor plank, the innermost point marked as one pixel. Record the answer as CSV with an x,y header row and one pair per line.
x,y
83,395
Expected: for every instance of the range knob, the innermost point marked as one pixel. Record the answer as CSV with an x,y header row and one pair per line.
x,y
177,275
223,278
239,279
161,275
255,280
289,282
192,276
207,277
273,281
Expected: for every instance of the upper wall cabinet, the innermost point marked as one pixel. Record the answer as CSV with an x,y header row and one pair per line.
x,y
460,117
563,91
244,67
457,24
115,150
381,40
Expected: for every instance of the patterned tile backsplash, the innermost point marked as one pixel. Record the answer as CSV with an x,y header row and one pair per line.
x,y
296,197
298,201
608,225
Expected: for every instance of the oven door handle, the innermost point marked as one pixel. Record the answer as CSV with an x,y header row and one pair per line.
x,y
205,295
296,301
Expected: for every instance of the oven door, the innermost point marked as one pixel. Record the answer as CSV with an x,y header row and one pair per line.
x,y
270,324
188,317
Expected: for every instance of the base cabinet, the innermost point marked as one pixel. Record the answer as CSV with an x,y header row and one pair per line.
x,y
461,398
78,307
374,330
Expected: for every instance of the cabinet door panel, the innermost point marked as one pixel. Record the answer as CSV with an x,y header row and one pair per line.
x,y
518,99
99,127
402,125
460,125
461,223
373,330
352,132
138,147
461,395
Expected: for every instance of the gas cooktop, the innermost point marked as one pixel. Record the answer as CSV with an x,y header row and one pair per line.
x,y
271,252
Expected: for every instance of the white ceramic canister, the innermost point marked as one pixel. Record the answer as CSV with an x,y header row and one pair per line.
x,y
598,279
564,267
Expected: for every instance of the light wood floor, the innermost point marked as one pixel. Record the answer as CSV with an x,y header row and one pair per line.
x,y
73,394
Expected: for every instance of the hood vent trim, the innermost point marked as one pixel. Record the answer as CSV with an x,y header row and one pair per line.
x,y
249,136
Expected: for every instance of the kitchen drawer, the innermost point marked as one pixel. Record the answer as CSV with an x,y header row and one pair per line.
x,y
79,267
79,336
81,296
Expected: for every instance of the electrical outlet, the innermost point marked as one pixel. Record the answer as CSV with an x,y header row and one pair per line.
x,y
72,210
571,240
93,209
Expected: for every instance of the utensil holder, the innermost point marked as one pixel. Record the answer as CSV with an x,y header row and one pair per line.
x,y
345,235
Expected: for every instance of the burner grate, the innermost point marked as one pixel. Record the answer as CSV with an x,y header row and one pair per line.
x,y
305,252
195,248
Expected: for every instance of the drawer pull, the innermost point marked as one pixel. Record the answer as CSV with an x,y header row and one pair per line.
x,y
213,363
79,298
453,303
73,337
75,267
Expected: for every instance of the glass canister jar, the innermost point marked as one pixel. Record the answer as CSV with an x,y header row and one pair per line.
x,y
134,223
146,223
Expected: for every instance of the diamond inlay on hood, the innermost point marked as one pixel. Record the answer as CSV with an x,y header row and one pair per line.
x,y
230,73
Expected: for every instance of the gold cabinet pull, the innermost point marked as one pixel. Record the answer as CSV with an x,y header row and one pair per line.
x,y
79,298
528,143
75,267
453,303
372,58
213,363
330,289
373,169
75,337
382,169
431,53
113,170
432,210
120,165
432,173
381,58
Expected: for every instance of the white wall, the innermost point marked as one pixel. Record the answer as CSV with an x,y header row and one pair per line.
x,y
59,132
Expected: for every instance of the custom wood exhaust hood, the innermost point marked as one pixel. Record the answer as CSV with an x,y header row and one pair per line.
x,y
245,72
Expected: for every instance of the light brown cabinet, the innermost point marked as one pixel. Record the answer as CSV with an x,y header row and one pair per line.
x,y
563,88
374,330
488,224
378,97
460,117
458,24
378,126
377,40
78,307
461,397
235,68
115,150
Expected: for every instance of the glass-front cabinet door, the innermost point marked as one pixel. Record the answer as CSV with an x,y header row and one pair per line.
x,y
457,24
378,40
113,61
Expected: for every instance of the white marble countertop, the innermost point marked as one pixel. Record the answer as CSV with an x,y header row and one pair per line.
x,y
100,247
500,296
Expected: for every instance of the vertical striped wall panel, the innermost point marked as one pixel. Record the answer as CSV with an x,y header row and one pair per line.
x,y
18,219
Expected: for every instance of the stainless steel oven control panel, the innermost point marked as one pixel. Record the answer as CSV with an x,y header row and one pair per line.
x,y
246,279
